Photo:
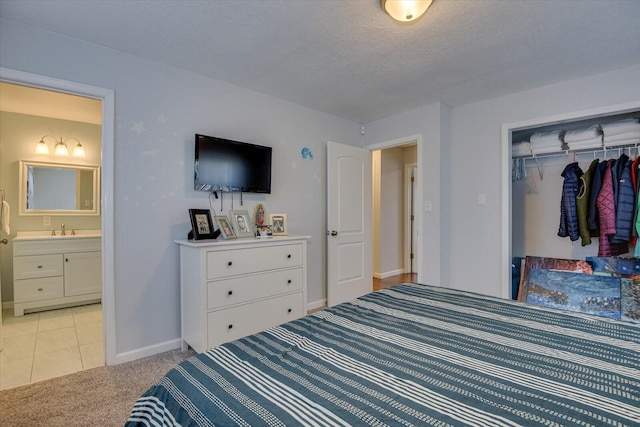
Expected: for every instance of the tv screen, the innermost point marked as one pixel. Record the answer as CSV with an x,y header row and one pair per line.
x,y
226,165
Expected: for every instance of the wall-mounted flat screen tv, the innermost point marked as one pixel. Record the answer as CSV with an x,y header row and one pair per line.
x,y
226,165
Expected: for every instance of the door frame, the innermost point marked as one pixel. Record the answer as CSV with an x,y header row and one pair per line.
x,y
407,140
407,221
107,96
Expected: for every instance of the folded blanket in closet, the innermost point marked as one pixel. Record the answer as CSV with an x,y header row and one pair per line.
x,y
594,131
543,150
620,127
622,136
521,149
583,145
543,137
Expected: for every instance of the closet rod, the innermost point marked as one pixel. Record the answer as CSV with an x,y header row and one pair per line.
x,y
578,152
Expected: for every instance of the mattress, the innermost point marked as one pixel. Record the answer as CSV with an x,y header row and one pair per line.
x,y
411,355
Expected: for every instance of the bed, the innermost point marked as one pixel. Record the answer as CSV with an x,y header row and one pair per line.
x,y
411,355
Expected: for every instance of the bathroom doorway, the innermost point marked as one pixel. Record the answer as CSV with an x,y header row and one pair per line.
x,y
84,333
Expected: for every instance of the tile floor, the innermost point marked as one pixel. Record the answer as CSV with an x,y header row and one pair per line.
x,y
49,344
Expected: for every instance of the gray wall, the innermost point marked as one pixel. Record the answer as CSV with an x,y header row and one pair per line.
x,y
158,109
476,144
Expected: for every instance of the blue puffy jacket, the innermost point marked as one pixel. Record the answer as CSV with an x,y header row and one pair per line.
x,y
568,205
624,204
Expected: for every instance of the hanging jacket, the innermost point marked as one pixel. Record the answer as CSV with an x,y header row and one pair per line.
x,y
582,203
568,208
607,216
624,205
596,184
616,174
635,179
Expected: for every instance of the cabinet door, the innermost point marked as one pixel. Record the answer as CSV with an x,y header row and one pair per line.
x,y
82,273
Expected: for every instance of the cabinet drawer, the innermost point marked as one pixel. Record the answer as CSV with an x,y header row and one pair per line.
x,y
238,290
237,322
38,289
29,267
242,261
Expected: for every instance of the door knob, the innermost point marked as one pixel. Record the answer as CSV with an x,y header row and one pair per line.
x,y
332,233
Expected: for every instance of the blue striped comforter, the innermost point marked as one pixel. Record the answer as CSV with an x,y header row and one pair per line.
x,y
411,355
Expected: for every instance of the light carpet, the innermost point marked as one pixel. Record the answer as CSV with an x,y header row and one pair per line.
x,y
101,396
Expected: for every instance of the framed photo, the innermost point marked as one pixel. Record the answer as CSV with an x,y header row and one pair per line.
x,y
264,232
225,227
279,224
201,224
241,223
260,215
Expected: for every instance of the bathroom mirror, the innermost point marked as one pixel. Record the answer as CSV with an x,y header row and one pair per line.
x,y
58,189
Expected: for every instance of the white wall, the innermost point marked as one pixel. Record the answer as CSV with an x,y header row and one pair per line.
x,y
19,134
158,110
476,146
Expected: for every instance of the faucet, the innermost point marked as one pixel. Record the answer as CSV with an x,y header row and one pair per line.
x,y
62,233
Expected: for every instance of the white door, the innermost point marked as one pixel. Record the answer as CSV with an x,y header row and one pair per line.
x,y
349,205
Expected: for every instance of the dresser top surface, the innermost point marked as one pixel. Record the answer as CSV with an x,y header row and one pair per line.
x,y
244,241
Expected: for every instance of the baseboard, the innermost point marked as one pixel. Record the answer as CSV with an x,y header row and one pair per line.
x,y
139,353
7,305
388,274
317,304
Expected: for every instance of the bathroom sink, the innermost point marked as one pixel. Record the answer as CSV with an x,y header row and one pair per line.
x,y
46,234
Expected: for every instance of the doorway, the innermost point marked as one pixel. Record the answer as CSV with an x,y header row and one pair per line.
x,y
395,242
106,98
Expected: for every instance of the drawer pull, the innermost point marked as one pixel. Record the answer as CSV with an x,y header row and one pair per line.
x,y
289,281
40,289
230,292
66,260
229,263
230,326
39,266
289,256
289,311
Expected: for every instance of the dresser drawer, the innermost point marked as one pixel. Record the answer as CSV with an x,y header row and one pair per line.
x,y
237,322
235,262
34,266
38,289
238,290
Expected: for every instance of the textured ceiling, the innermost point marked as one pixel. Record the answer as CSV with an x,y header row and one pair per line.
x,y
348,58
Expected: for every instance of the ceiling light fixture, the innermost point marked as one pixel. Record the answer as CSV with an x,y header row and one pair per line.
x,y
405,10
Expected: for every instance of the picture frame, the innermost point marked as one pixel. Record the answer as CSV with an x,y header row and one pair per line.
x,y
278,224
264,232
260,215
226,230
241,222
201,224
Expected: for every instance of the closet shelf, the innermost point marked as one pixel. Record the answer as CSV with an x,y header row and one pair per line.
x,y
605,150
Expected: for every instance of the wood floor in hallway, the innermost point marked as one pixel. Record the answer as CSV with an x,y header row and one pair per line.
x,y
393,280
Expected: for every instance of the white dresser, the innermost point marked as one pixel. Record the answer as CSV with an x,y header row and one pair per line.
x,y
49,273
234,288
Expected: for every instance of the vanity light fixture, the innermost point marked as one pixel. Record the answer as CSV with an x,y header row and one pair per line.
x,y
61,148
42,147
405,10
78,150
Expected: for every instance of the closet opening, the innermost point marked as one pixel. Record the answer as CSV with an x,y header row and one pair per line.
x,y
536,154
